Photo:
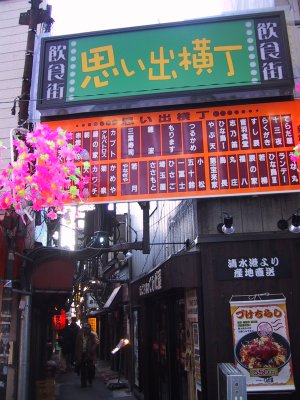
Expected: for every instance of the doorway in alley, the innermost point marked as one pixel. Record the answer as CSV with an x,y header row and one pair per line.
x,y
168,378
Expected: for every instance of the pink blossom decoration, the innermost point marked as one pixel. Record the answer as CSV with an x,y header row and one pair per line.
x,y
48,172
295,157
52,214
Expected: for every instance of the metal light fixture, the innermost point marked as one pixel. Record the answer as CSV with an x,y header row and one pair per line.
x,y
294,227
119,385
227,226
122,343
100,239
123,257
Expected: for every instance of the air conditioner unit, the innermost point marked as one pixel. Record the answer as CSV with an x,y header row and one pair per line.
x,y
231,382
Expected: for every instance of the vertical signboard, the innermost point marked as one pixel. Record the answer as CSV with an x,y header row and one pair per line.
x,y
262,348
193,364
135,315
93,323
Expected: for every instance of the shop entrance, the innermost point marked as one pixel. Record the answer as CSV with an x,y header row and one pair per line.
x,y
168,378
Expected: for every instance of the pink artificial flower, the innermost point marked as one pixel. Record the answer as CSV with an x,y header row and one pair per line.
x,y
294,158
43,173
52,214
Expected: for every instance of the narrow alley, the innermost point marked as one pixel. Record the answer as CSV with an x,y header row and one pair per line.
x,y
67,385
149,200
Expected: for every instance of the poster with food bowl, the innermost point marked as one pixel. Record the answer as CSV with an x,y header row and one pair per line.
x,y
261,342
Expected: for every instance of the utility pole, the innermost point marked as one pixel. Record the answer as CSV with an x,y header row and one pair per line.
x,y
32,18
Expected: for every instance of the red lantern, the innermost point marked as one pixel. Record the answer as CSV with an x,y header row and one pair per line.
x,y
59,320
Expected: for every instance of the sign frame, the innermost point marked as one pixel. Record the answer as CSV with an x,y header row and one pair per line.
x,y
156,96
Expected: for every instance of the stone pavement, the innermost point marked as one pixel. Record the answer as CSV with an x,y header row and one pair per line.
x,y
67,385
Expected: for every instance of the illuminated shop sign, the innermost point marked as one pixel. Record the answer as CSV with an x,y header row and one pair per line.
x,y
200,152
178,60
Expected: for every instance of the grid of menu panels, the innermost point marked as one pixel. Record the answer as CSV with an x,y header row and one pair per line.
x,y
199,152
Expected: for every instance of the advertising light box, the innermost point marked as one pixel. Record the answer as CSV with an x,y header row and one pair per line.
x,y
199,152
213,59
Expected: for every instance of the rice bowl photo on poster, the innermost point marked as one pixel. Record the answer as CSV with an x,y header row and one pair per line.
x,y
262,348
258,351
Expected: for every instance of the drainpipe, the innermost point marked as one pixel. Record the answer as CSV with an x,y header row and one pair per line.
x,y
25,326
6,315
24,349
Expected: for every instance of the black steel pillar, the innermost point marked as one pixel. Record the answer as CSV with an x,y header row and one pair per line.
x,y
6,307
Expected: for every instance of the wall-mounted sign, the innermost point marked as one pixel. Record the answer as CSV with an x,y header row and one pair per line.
x,y
253,267
192,337
191,305
262,348
200,152
166,64
91,301
153,284
93,323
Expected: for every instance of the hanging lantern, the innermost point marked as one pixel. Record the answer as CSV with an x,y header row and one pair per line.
x,y
59,320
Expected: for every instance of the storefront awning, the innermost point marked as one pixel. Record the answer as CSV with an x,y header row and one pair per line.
x,y
178,271
52,269
54,275
114,298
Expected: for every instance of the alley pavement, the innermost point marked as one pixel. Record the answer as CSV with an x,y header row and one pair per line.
x,y
104,386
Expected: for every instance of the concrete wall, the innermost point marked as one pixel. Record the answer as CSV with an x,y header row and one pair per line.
x,y
13,38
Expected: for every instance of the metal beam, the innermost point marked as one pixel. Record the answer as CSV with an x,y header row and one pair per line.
x,y
145,206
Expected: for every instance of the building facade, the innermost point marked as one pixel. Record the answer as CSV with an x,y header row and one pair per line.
x,y
182,291
175,302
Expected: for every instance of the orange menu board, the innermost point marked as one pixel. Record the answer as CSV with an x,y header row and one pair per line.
x,y
196,152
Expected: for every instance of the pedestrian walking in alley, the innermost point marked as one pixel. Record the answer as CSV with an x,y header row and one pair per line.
x,y
74,329
85,354
65,342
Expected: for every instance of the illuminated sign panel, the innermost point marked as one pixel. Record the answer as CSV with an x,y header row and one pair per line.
x,y
165,62
93,323
200,152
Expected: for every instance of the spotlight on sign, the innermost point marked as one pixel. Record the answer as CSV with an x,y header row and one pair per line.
x,y
294,227
227,226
